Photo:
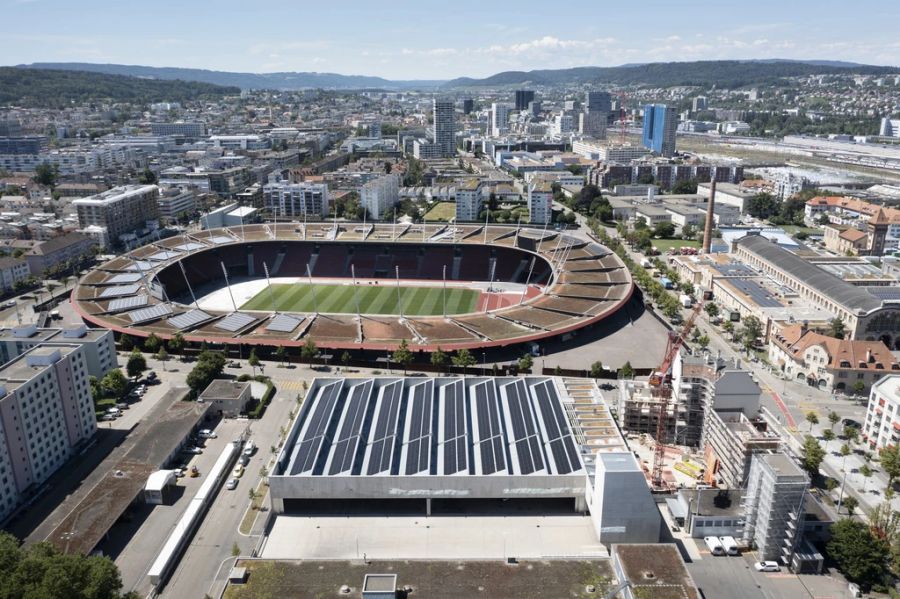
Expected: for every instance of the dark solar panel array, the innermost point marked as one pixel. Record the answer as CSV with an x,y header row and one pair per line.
x,y
559,436
418,448
490,439
757,293
315,431
524,427
454,432
385,431
348,436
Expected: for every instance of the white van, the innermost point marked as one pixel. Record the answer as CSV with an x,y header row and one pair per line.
x,y
730,545
714,545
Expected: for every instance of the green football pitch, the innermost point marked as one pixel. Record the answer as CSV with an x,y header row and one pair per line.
x,y
373,299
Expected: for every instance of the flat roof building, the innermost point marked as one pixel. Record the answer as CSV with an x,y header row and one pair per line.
x,y
118,211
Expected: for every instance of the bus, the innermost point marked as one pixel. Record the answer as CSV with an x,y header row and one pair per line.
x,y
714,545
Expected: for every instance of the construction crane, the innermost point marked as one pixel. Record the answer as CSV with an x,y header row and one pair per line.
x,y
622,115
661,387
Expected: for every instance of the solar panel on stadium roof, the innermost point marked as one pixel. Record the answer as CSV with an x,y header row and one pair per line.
x,y
163,256
139,265
316,427
381,444
349,432
283,323
220,239
189,246
418,448
119,290
885,293
147,314
128,303
489,435
123,278
189,319
556,425
525,440
235,322
453,417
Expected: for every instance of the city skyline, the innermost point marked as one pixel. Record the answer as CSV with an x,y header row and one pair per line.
x,y
408,43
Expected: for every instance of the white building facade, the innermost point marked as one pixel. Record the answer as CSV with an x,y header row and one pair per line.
x,y
380,195
294,200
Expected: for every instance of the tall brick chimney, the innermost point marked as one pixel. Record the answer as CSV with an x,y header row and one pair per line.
x,y
710,217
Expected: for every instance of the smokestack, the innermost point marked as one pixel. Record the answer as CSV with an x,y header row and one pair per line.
x,y
710,217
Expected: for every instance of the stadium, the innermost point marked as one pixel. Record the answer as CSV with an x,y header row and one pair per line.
x,y
355,286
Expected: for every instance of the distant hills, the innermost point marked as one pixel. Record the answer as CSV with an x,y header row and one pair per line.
x,y
284,81
57,88
722,73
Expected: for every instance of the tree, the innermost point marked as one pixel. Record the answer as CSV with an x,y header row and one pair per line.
x,y
890,463
845,451
41,570
664,230
751,331
851,433
46,174
136,363
703,341
828,435
345,359
626,372
126,342
597,369
711,310
438,359
858,554
114,383
281,354
813,454
209,366
859,387
162,355
147,177
309,351
402,355
685,186
176,343
836,328
813,419
463,358
833,418
867,472
525,363
152,343
763,205
728,327
850,503
253,360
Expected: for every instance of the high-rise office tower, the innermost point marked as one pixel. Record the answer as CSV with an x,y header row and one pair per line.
x,y
598,102
660,122
523,97
445,126
499,119
468,105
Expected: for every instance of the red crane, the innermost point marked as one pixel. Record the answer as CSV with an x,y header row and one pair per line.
x,y
661,387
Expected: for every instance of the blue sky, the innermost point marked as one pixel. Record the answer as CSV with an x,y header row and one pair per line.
x,y
429,39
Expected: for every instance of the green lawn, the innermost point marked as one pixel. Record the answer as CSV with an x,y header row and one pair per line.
x,y
441,211
664,245
373,299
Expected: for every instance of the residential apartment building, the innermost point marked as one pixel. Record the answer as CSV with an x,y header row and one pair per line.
x,y
842,365
98,344
296,200
380,195
119,211
68,247
540,202
882,425
12,270
174,201
444,113
660,123
774,506
499,119
468,200
46,413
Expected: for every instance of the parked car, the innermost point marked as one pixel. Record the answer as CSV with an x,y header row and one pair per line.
x,y
234,364
249,448
113,411
232,484
108,417
193,450
122,406
238,471
244,460
767,567
151,376
10,304
207,434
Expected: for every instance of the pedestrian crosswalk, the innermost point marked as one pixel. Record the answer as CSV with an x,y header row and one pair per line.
x,y
295,385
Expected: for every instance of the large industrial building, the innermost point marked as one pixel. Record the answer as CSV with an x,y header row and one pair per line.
x,y
448,445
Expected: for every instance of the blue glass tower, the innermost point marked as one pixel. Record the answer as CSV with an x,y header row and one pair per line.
x,y
660,122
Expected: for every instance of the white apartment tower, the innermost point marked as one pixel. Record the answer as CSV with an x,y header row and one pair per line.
x,y
540,202
379,195
773,506
882,425
499,119
46,412
444,113
293,200
468,200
